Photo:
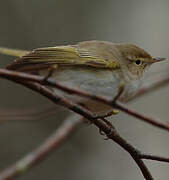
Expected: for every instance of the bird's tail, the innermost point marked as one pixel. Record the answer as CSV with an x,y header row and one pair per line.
x,y
13,52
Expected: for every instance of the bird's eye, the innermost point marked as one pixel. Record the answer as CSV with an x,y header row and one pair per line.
x,y
138,62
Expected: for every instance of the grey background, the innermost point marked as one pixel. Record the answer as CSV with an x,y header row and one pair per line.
x,y
86,155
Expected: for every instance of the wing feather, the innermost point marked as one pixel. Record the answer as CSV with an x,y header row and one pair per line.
x,y
61,55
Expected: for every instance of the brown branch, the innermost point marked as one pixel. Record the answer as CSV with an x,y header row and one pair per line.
x,y
43,150
153,85
155,158
50,82
30,114
111,133
142,117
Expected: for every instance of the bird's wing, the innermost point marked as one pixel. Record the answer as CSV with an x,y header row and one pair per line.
x,y
60,55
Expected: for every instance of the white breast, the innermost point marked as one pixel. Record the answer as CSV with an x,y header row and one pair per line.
x,y
98,82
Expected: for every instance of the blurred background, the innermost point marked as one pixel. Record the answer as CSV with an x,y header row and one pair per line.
x,y
86,155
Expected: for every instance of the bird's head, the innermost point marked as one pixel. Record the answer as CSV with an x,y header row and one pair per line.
x,y
135,60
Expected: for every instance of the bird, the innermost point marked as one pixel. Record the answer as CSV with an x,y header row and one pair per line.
x,y
98,67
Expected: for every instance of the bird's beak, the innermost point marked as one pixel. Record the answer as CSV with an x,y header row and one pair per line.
x,y
157,59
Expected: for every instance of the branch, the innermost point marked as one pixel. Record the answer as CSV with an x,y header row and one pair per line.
x,y
156,158
42,151
110,132
142,117
153,85
27,114
13,75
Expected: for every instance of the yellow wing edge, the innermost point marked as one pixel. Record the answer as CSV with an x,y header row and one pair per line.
x,y
61,55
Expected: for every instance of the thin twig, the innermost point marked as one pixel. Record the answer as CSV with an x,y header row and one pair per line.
x,y
152,86
39,154
155,158
30,114
142,117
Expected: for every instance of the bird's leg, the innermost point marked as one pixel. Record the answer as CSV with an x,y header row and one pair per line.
x,y
114,111
103,115
120,91
51,70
